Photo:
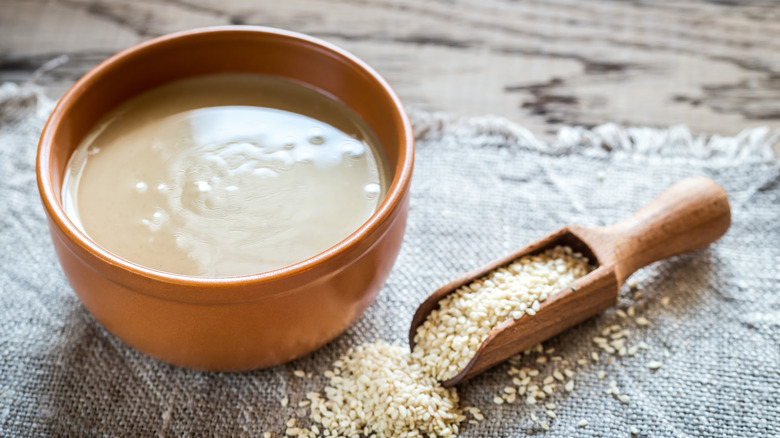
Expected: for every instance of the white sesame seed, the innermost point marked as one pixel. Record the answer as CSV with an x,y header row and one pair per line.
x,y
285,401
634,430
642,321
624,399
665,301
569,386
601,374
654,365
544,425
498,400
582,423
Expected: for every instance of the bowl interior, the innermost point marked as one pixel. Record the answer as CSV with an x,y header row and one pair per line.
x,y
235,49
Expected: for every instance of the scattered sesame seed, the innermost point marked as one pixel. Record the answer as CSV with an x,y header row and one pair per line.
x,y
267,435
624,399
582,423
498,400
299,373
621,313
665,301
551,414
594,356
631,312
544,425
569,386
285,401
634,430
638,295
601,374
550,406
654,365
642,321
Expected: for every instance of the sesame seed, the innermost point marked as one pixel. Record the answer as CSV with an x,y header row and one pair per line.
x,y
624,399
642,321
634,430
498,400
285,401
299,373
654,365
601,374
569,386
582,423
665,301
544,425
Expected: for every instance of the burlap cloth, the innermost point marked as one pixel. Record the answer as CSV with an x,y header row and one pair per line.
x,y
481,188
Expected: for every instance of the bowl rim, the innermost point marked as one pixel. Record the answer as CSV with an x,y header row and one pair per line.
x,y
396,192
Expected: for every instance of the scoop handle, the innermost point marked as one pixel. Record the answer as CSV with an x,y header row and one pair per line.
x,y
688,216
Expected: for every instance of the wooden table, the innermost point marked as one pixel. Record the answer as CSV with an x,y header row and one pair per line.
x,y
714,66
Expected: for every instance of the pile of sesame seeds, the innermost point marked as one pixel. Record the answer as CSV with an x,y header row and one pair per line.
x,y
451,334
369,386
378,390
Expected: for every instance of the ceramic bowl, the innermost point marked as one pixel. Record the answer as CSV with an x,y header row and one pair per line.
x,y
235,323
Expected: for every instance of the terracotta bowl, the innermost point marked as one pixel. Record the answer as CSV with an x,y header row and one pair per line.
x,y
235,323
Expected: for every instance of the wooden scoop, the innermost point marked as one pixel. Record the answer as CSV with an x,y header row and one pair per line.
x,y
686,217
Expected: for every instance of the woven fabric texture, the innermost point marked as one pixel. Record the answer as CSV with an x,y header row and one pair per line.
x,y
482,187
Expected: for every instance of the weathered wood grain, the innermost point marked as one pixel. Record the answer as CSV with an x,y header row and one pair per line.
x,y
714,66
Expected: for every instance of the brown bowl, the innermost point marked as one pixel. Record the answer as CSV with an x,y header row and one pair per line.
x,y
234,323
